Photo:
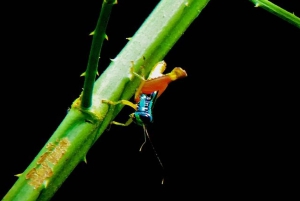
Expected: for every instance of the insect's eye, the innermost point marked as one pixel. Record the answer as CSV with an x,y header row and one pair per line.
x,y
146,118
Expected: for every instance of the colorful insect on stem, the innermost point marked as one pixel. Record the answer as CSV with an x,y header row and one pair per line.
x,y
146,94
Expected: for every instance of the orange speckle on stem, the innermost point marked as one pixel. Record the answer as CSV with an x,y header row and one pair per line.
x,y
43,157
42,171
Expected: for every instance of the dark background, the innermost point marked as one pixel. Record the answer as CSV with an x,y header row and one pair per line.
x,y
225,131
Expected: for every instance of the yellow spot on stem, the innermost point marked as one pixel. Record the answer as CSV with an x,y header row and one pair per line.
x,y
44,168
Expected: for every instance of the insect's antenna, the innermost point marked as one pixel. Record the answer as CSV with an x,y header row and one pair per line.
x,y
146,134
145,139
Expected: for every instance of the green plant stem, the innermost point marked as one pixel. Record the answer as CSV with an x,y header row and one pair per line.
x,y
82,127
276,10
92,66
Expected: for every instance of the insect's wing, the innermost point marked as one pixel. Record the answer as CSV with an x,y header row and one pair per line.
x,y
157,84
160,83
157,70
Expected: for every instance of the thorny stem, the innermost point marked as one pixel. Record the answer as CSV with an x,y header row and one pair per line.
x,y
92,66
276,10
81,128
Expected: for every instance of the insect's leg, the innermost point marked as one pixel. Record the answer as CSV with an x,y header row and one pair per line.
x,y
127,123
142,76
124,102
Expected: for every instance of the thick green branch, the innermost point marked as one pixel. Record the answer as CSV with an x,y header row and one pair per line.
x,y
276,10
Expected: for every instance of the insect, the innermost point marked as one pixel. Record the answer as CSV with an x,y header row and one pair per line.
x,y
146,95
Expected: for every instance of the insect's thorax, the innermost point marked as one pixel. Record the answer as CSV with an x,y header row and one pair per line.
x,y
143,114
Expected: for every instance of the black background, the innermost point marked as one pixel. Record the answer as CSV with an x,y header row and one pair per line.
x,y
225,131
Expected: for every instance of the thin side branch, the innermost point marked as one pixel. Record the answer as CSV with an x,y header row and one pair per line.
x,y
276,10
92,66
